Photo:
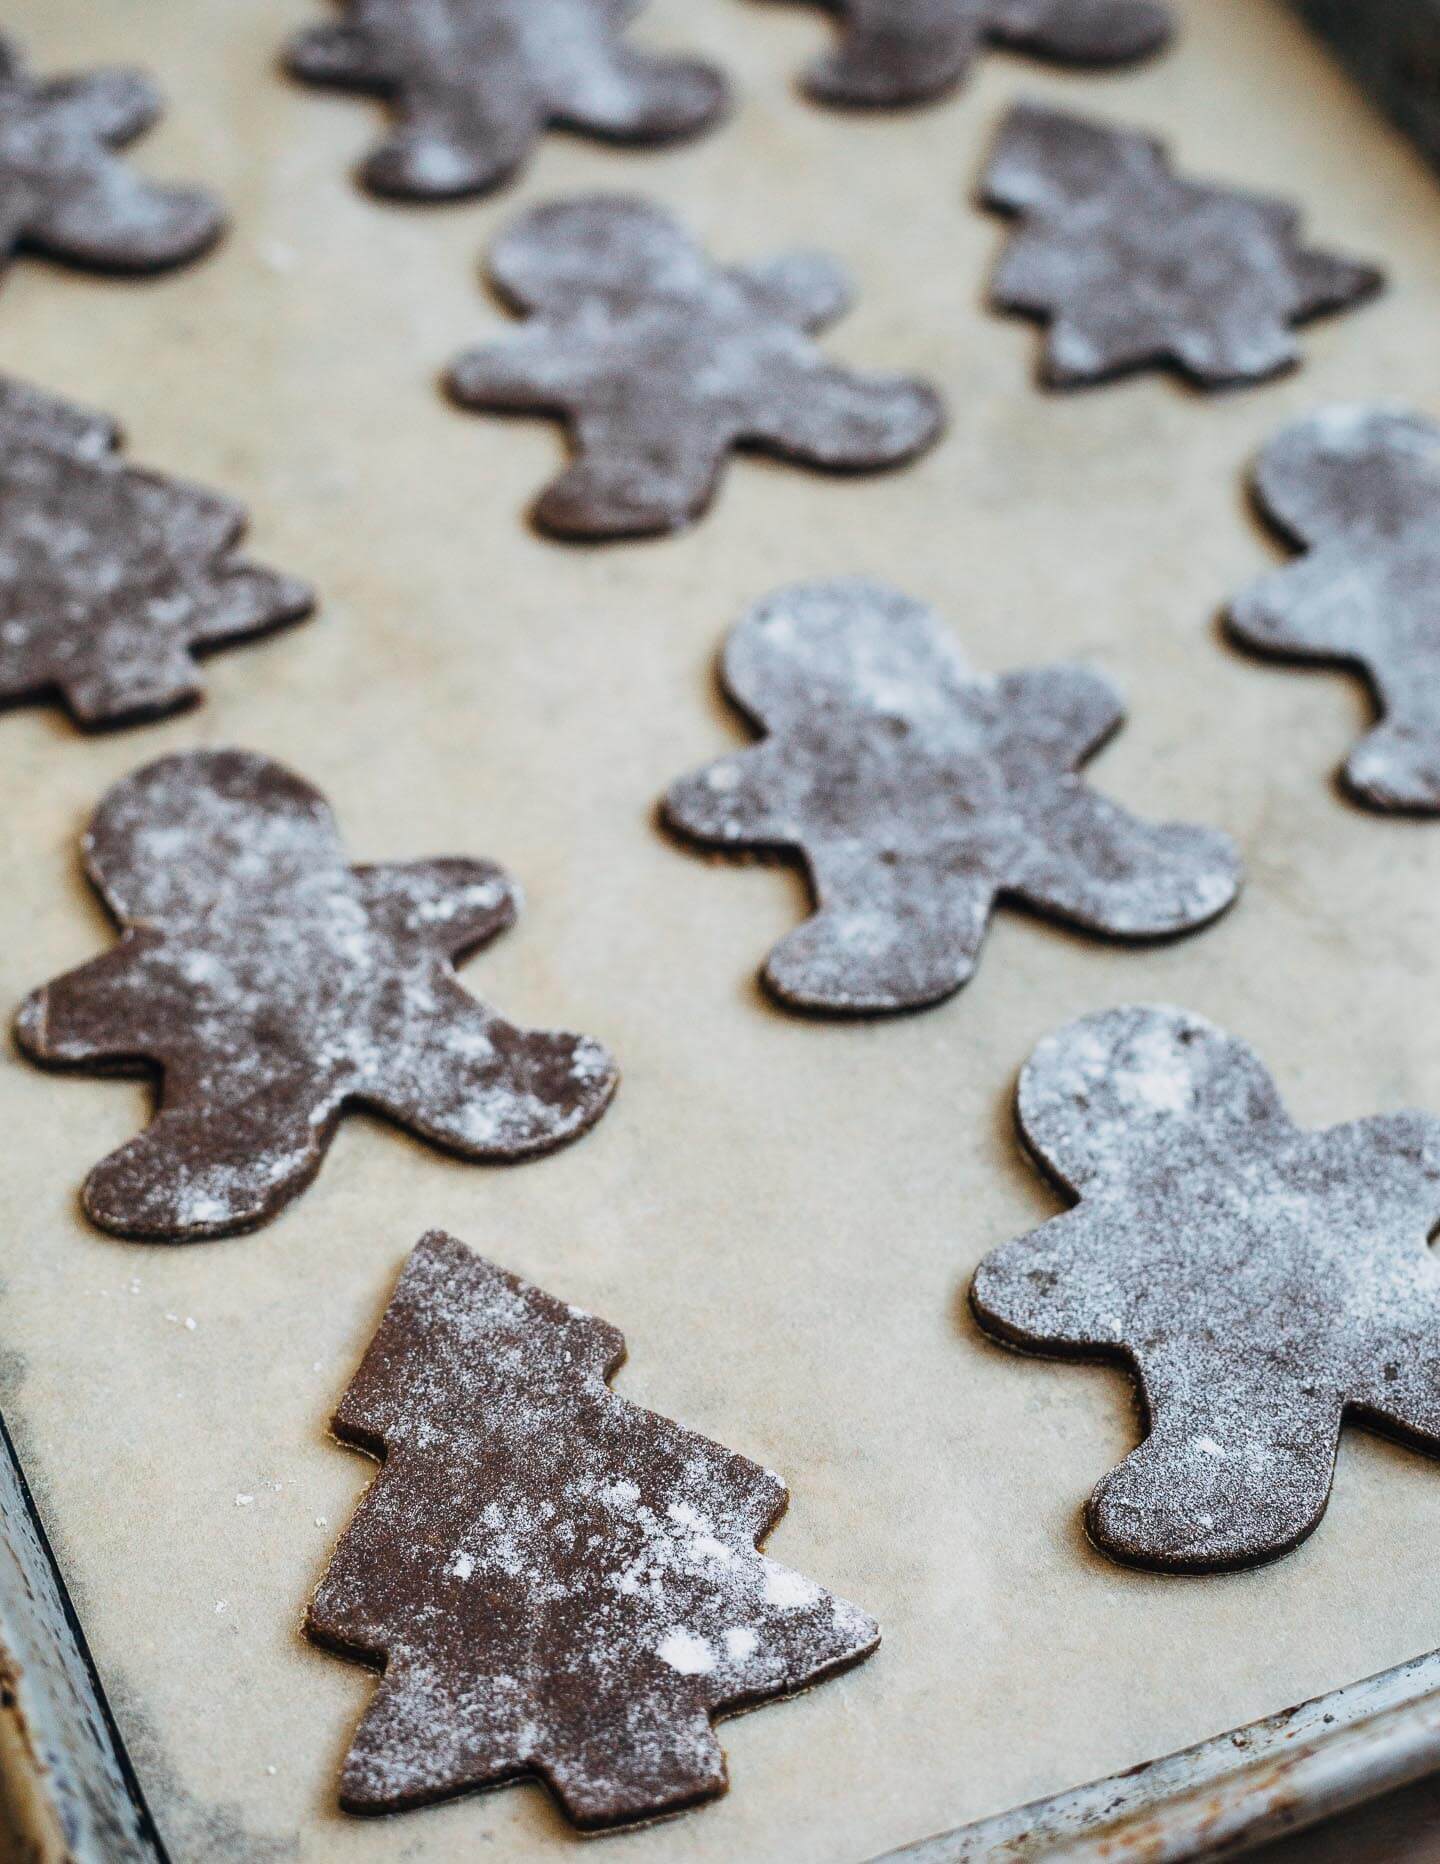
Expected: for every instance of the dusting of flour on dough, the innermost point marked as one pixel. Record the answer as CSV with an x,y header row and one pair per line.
x,y
273,984
609,1600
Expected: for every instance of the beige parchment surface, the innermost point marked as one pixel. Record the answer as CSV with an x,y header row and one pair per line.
x,y
782,1215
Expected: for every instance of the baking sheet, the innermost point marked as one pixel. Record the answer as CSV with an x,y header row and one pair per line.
x,y
782,1215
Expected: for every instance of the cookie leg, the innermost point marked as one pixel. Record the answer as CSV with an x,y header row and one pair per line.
x,y
891,933
1089,862
449,147
636,98
1237,1470
635,477
467,1080
112,221
1397,765
208,1167
888,59
1085,32
846,421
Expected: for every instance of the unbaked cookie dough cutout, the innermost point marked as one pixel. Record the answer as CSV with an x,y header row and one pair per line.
x,y
1356,489
896,52
555,1583
662,362
113,578
1260,1281
271,985
474,84
67,194
1131,266
917,794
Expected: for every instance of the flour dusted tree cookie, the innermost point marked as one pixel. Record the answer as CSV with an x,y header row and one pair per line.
x,y
1133,267
661,362
1357,489
555,1582
910,51
112,579
272,985
473,84
917,794
64,191
1260,1280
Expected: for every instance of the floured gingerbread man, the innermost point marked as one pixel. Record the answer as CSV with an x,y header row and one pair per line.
x,y
1260,1280
272,985
910,51
474,84
661,362
65,192
917,794
113,579
555,1582
1132,266
1357,489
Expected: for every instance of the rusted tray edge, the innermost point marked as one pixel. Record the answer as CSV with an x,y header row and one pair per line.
x,y
1392,48
70,1795
1229,1793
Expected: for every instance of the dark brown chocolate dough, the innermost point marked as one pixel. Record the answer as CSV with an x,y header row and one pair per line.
x,y
64,192
272,985
555,1582
1358,490
918,793
1133,267
1258,1279
910,51
112,579
661,362
474,83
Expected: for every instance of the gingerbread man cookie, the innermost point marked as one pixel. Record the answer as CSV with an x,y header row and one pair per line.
x,y
1132,267
112,579
555,1582
917,794
1357,489
1261,1281
64,191
895,52
474,83
271,985
661,362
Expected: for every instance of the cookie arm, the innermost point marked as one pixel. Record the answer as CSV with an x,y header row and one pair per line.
x,y
115,105
537,370
102,1011
1061,715
730,803
337,53
452,906
844,420
1050,1289
807,289
1091,862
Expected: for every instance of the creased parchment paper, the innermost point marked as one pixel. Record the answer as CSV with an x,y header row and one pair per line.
x,y
781,1215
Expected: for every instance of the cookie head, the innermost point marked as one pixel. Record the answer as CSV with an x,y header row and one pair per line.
x,y
601,246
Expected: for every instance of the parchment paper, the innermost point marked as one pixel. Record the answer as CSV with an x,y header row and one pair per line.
x,y
782,1215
